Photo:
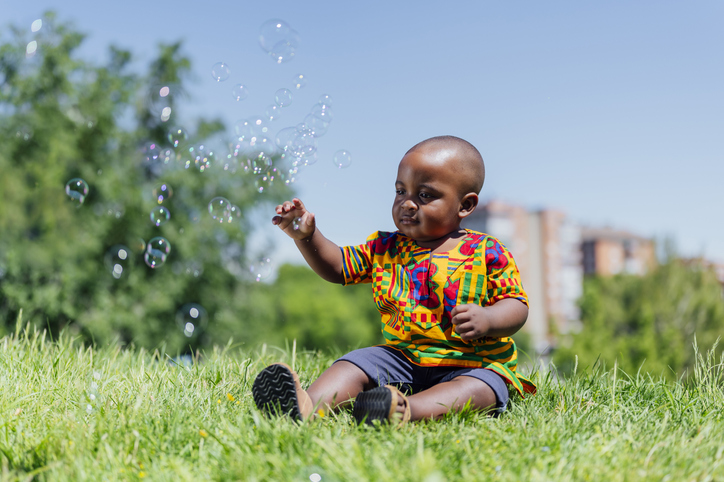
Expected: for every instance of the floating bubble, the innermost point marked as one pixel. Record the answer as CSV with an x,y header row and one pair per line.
x,y
165,114
272,113
167,155
303,145
240,92
220,209
244,130
285,138
309,160
297,223
316,126
261,146
151,153
117,260
77,190
31,48
322,112
342,159
260,163
220,71
177,136
160,215
192,319
279,40
162,192
325,99
157,251
260,268
203,157
24,133
283,97
36,25
234,213
230,163
299,81
263,182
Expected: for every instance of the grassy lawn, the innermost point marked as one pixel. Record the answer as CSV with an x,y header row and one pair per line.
x,y
74,413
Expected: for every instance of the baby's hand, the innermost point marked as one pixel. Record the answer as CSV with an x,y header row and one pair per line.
x,y
470,321
294,219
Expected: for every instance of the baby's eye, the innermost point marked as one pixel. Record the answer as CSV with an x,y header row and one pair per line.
x,y
399,192
425,195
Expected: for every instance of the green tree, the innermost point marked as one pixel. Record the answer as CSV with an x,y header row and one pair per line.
x,y
62,117
649,321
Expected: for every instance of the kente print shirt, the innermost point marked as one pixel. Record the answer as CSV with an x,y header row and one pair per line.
x,y
415,291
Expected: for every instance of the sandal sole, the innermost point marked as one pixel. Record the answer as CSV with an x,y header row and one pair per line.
x,y
373,405
275,393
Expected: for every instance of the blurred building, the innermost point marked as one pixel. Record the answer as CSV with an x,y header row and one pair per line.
x,y
546,247
608,252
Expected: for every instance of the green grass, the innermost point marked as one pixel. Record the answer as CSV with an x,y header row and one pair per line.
x,y
73,413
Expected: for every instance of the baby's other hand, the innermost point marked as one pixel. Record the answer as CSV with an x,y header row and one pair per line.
x,y
294,219
470,321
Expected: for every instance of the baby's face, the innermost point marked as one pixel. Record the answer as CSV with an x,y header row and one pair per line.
x,y
427,196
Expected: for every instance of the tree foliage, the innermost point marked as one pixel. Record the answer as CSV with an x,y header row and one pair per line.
x,y
63,117
648,322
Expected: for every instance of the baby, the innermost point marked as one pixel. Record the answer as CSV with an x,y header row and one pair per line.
x,y
449,299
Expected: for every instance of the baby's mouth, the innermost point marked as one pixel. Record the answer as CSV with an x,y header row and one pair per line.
x,y
407,220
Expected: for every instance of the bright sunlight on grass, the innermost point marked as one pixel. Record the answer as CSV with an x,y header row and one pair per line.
x,y
70,412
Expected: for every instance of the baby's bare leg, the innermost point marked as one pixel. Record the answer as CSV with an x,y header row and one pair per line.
x,y
338,385
453,395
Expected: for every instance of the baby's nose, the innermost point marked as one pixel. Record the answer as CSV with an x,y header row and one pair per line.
x,y
408,205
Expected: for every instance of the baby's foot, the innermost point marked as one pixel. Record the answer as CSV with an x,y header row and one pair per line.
x,y
277,391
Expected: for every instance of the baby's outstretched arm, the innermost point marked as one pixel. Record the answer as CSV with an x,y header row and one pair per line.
x,y
322,255
503,318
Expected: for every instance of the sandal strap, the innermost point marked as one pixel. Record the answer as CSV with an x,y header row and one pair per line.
x,y
397,394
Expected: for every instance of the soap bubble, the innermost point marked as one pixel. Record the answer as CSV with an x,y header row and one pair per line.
x,y
36,25
303,145
263,182
244,130
117,260
296,223
342,159
138,245
240,92
77,190
279,40
234,213
260,163
323,112
299,81
31,48
283,97
157,251
272,113
220,71
151,151
192,319
316,126
162,192
203,157
160,215
177,136
167,155
230,163
285,138
220,209
160,98
325,99
260,268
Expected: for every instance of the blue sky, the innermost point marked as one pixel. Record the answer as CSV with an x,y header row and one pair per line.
x,y
612,112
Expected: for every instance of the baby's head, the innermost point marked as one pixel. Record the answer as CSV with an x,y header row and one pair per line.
x,y
438,182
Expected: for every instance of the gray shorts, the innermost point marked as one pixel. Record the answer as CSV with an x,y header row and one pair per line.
x,y
388,366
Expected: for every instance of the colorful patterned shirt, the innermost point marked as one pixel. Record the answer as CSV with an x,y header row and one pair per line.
x,y
415,291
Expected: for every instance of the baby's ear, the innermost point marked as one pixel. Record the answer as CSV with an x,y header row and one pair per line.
x,y
468,204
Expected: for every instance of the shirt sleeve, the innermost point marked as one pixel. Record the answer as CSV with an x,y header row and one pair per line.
x,y
503,275
357,262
